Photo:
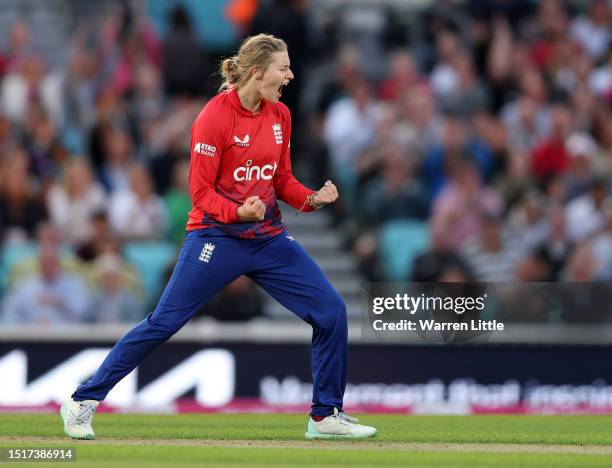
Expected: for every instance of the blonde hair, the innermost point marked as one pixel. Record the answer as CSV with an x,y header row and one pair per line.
x,y
255,51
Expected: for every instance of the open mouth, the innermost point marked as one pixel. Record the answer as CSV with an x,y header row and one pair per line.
x,y
280,89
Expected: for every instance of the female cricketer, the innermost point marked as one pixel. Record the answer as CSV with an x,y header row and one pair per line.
x,y
239,167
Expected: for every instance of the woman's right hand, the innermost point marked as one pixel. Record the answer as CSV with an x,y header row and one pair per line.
x,y
253,209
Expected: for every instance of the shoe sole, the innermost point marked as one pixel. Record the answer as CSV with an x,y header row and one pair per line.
x,y
311,435
85,437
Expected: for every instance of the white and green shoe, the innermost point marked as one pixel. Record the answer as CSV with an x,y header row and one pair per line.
x,y
77,416
338,426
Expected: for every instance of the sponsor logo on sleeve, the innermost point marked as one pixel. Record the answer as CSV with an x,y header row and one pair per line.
x,y
204,149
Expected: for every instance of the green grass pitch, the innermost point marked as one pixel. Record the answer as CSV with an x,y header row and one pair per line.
x,y
278,440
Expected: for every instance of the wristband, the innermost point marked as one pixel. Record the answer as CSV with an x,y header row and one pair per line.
x,y
310,201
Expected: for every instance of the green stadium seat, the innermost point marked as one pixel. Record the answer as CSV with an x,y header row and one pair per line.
x,y
151,259
400,242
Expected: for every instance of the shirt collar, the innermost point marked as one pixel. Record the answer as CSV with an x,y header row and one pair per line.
x,y
235,99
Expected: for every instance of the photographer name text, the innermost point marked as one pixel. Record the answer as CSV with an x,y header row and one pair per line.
x,y
432,325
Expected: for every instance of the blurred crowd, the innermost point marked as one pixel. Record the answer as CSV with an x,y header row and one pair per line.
x,y
94,163
470,141
484,151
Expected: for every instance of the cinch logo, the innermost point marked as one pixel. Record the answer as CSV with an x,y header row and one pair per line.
x,y
203,148
250,172
278,133
243,142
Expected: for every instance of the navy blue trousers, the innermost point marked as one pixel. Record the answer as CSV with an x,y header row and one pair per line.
x,y
280,266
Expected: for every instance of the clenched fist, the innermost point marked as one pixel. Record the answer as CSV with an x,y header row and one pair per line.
x,y
326,195
253,209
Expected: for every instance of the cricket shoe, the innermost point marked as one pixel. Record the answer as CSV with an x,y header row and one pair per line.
x,y
77,416
338,426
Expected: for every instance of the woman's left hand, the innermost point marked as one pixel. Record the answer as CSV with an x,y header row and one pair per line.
x,y
326,195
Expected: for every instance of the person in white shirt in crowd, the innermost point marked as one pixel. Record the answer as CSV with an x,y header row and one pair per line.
x,y
581,148
600,80
138,212
31,81
350,125
73,201
584,214
593,31
52,297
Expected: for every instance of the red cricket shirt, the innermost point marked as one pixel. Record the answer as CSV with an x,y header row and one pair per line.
x,y
236,154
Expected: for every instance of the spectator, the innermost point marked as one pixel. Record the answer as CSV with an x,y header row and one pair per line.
x,y
350,126
185,63
396,194
102,239
26,264
534,267
468,95
557,247
288,19
549,157
19,47
138,212
456,145
527,118
403,76
527,221
444,77
440,262
113,301
349,129
117,159
31,83
491,256
178,202
584,214
600,80
110,122
81,81
238,301
420,124
593,30
458,207
581,149
73,202
20,207
582,266
52,297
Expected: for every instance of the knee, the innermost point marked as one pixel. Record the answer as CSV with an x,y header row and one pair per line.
x,y
332,312
161,328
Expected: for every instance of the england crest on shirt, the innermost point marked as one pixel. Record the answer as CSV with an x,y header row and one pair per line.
x,y
278,133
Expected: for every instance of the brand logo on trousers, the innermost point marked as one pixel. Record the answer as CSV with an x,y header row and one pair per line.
x,y
250,172
206,252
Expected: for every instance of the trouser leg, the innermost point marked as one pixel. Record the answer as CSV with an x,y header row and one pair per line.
x,y
206,263
286,271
